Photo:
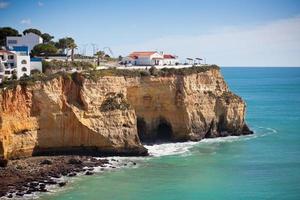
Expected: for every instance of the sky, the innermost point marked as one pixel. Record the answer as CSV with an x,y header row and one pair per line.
x,y
224,32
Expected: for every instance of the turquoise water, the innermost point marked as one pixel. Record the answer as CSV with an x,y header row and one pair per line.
x,y
263,166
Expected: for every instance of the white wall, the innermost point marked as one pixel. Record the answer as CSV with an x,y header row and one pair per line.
x,y
21,65
29,40
170,61
36,65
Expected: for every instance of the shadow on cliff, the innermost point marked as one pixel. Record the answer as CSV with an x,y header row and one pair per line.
x,y
161,133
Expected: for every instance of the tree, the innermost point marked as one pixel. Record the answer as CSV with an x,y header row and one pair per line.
x,y
32,30
47,37
72,46
43,49
99,54
14,75
7,31
120,58
65,43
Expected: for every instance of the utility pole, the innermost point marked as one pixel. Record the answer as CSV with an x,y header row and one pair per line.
x,y
84,49
94,48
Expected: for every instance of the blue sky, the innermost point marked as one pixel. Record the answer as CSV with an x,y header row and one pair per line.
x,y
228,33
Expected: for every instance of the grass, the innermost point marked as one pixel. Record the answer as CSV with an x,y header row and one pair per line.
x,y
96,74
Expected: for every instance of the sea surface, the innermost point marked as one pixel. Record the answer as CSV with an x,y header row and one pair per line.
x,y
265,165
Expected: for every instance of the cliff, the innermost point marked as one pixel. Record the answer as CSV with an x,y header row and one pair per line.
x,y
115,114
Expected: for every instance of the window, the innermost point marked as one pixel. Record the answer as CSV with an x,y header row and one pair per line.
x,y
24,62
5,64
12,41
11,57
7,72
2,57
24,69
12,64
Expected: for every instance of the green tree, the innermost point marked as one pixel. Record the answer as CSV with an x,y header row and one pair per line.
x,y
65,43
72,47
100,55
44,49
32,30
120,58
14,75
7,31
47,37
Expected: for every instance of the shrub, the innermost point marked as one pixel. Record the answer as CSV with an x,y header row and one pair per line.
x,y
114,102
58,65
153,71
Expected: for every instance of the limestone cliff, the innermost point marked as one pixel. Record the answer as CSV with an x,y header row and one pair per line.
x,y
114,114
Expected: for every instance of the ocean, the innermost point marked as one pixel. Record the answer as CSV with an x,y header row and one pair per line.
x,y
265,165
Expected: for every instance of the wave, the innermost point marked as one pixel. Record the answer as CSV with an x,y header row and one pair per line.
x,y
184,148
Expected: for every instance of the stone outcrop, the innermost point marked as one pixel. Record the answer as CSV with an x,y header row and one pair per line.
x,y
115,114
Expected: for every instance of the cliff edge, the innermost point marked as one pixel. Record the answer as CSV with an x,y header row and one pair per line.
x,y
114,114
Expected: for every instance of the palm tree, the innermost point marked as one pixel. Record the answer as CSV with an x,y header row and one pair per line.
x,y
99,54
72,46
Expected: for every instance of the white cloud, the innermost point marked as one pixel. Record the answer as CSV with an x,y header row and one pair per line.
x,y
40,4
273,44
26,21
3,4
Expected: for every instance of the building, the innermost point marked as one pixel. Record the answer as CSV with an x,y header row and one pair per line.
x,y
144,58
170,59
14,63
29,40
7,64
150,58
17,62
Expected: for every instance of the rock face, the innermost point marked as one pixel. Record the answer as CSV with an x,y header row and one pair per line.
x,y
114,114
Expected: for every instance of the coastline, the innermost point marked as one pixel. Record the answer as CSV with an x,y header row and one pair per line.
x,y
30,176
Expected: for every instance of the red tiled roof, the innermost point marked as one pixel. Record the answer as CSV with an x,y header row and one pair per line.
x,y
169,56
142,54
5,51
133,56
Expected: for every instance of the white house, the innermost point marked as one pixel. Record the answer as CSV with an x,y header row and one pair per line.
x,y
170,59
17,61
144,58
29,40
147,58
12,62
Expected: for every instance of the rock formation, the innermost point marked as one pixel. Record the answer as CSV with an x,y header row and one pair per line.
x,y
115,114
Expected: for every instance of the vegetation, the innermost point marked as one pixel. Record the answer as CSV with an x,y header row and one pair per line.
x,y
153,71
46,36
65,44
229,96
114,101
56,65
6,31
43,49
100,55
96,74
30,80
32,30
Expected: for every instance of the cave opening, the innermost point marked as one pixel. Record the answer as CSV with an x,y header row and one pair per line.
x,y
161,133
164,132
142,129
